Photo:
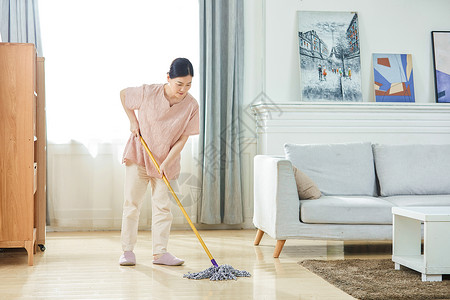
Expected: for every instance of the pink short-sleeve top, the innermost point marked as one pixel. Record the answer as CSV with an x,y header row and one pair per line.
x,y
161,126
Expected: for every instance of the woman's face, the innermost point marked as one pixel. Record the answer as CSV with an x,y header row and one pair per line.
x,y
179,86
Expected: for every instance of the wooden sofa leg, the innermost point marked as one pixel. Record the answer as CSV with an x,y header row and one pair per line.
x,y
258,237
278,248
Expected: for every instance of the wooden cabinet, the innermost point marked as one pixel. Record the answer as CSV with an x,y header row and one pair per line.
x,y
22,148
40,156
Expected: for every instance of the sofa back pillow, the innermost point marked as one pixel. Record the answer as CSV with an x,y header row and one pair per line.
x,y
337,169
412,169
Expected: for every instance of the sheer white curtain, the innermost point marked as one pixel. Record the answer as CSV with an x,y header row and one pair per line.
x,y
93,49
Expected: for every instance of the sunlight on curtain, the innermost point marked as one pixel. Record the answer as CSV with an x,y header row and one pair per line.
x,y
92,50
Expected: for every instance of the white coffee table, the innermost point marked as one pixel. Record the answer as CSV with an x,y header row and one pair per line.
x,y
407,238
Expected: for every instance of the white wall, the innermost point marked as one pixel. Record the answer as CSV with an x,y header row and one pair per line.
x,y
386,26
80,183
271,59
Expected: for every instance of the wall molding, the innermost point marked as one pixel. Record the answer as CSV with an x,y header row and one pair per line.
x,y
306,123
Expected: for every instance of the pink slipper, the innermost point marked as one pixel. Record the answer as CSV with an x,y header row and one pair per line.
x,y
127,259
168,260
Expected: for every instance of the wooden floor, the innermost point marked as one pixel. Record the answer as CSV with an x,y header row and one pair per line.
x,y
84,265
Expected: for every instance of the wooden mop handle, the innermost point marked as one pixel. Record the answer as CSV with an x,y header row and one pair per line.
x,y
178,202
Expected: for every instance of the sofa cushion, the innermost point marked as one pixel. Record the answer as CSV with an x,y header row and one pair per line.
x,y
337,169
413,169
306,188
419,200
346,210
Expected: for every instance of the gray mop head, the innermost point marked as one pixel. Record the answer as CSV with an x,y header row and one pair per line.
x,y
223,272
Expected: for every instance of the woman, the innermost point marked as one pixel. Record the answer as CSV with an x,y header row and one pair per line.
x,y
167,116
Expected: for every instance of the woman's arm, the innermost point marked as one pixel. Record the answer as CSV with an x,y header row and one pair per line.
x,y
134,124
174,152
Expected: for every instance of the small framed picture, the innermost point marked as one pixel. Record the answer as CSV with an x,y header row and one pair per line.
x,y
393,77
441,57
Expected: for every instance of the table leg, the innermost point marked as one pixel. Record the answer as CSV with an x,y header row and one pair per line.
x,y
434,277
407,236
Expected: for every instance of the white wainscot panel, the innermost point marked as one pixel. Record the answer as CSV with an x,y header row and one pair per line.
x,y
85,188
389,123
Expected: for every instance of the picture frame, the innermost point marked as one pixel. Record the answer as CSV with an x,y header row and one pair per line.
x,y
329,56
393,77
441,62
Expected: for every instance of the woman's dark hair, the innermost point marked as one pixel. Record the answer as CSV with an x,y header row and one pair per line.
x,y
181,67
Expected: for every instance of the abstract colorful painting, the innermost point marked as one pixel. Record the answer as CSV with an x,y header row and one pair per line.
x,y
393,78
441,53
329,49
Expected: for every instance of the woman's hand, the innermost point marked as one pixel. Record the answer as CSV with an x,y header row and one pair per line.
x,y
134,124
173,153
162,168
134,128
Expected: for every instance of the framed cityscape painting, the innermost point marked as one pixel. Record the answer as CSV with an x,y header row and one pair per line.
x,y
329,51
441,55
393,77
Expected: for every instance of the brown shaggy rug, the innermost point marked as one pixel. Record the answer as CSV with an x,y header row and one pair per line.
x,y
375,279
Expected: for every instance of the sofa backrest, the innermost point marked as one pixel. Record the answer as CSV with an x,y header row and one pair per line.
x,y
412,169
337,169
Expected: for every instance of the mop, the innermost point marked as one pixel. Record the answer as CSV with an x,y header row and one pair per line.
x,y
216,272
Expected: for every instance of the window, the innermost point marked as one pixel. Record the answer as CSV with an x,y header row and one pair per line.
x,y
93,49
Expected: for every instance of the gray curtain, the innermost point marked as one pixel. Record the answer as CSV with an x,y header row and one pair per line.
x,y
221,76
19,22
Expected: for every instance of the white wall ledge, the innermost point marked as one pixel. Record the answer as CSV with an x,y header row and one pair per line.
x,y
325,122
345,106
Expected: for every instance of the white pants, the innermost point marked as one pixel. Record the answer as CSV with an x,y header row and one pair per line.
x,y
136,182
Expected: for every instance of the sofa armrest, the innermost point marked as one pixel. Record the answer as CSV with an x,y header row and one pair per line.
x,y
276,202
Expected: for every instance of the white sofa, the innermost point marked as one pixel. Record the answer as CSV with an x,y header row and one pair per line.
x,y
359,182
